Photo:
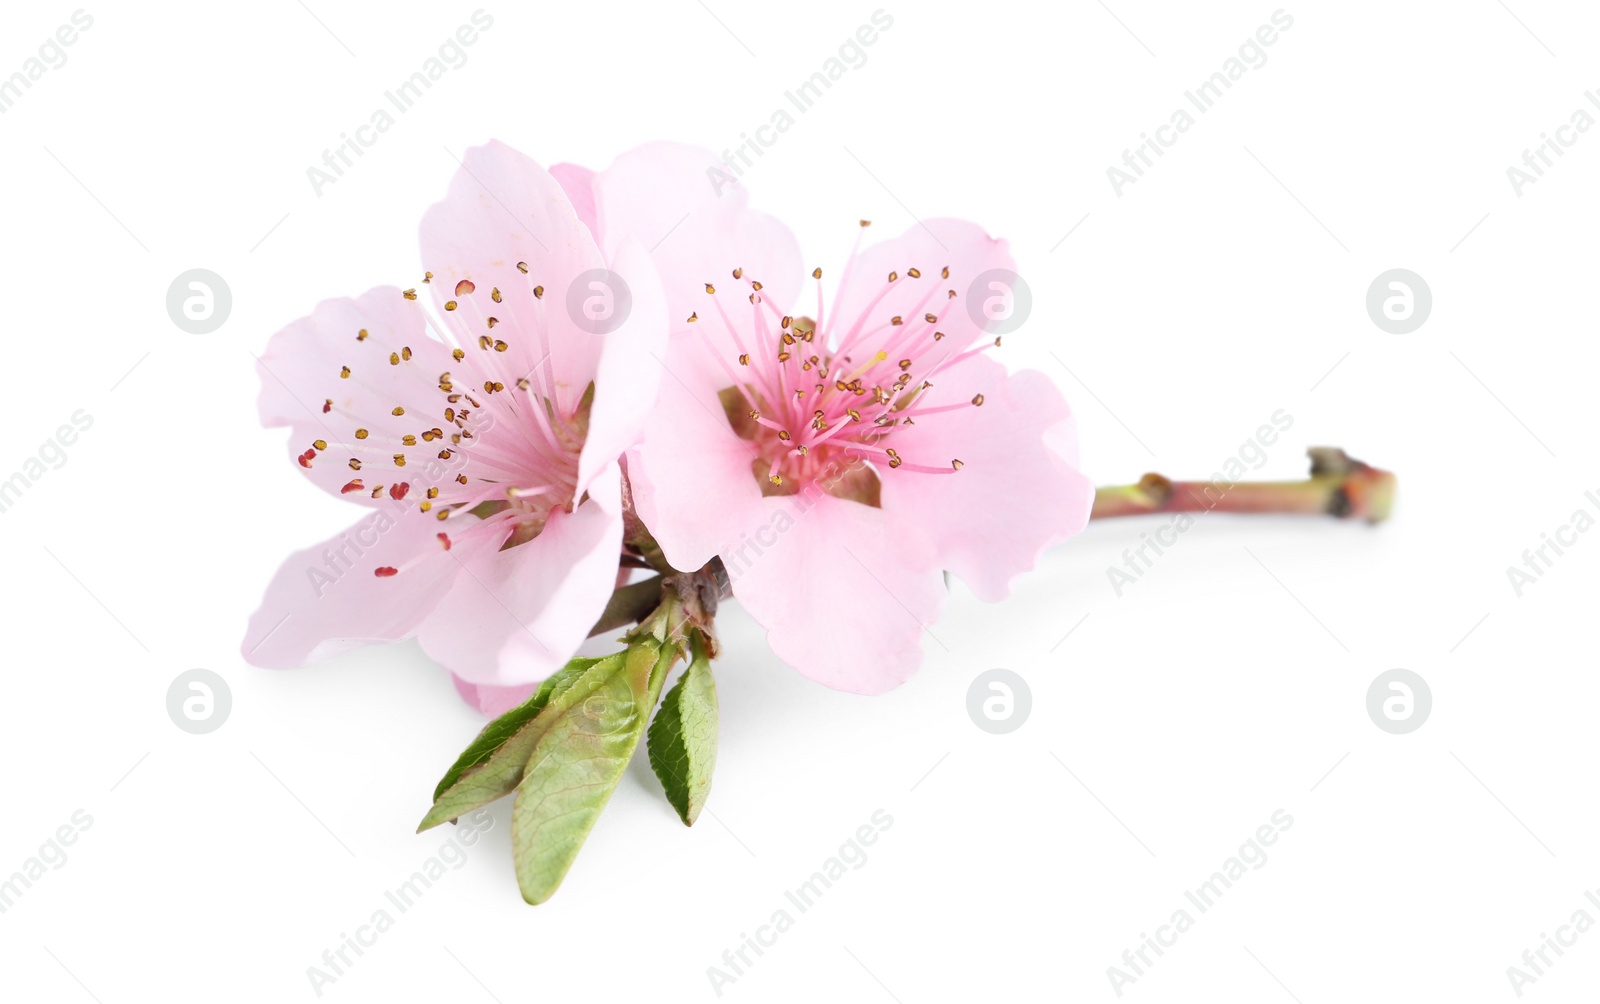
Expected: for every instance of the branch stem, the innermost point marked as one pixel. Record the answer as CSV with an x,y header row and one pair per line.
x,y
1339,486
629,605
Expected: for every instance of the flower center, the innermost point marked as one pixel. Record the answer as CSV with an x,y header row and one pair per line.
x,y
482,438
823,403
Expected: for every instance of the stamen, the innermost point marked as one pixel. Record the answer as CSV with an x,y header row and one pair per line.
x,y
815,402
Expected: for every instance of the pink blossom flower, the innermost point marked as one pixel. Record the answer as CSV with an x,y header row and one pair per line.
x,y
484,436
839,463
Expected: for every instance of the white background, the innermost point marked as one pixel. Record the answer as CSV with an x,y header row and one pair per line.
x,y
1227,283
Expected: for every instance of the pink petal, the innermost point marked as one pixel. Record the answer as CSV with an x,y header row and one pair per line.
x,y
328,599
866,294
302,387
492,701
578,183
691,476
1014,495
503,209
518,615
844,597
683,204
629,374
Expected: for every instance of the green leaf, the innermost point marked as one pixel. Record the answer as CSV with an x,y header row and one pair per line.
x,y
683,739
492,766
575,766
498,731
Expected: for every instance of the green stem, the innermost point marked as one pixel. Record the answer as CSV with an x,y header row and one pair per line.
x,y
1339,486
629,605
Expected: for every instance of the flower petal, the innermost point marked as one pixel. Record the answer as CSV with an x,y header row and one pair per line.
x,y
844,597
684,205
505,213
340,595
1014,496
381,339
861,317
491,700
629,373
517,615
578,183
691,475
